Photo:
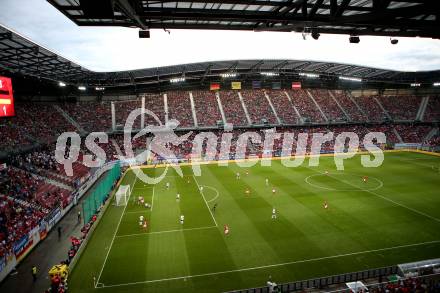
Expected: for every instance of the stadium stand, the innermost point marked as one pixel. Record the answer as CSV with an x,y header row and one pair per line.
x,y
371,108
154,103
349,106
412,133
305,106
232,107
124,108
179,108
92,116
328,105
258,107
207,110
401,107
283,107
432,113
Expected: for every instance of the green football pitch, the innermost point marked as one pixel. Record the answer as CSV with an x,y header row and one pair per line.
x,y
392,218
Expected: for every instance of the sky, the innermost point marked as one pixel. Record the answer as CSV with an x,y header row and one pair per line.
x,y
116,48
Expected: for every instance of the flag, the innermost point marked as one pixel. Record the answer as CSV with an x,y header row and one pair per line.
x,y
296,85
215,86
256,84
236,85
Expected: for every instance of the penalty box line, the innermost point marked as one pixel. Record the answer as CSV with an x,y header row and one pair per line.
x,y
272,265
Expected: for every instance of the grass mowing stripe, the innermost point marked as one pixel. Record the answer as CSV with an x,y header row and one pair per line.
x,y
381,196
116,231
207,206
277,265
167,231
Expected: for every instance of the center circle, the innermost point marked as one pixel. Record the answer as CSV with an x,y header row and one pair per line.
x,y
343,182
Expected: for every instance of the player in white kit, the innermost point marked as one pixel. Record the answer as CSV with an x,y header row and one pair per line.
x,y
141,220
182,218
274,213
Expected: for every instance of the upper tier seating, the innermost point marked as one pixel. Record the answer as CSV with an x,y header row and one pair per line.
x,y
92,116
328,105
207,110
232,107
258,107
401,107
179,108
154,103
283,107
432,112
349,106
305,105
370,107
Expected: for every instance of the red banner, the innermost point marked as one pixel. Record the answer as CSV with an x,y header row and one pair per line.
x,y
215,86
296,85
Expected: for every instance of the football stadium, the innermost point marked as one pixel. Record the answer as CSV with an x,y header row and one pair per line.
x,y
217,173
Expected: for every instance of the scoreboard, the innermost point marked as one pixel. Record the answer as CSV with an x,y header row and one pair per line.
x,y
6,97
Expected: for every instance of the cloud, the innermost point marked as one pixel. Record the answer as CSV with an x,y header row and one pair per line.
x,y
114,49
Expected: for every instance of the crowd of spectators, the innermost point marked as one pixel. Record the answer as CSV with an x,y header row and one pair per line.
x,y
30,125
16,219
411,285
207,110
434,141
349,106
123,109
12,136
232,107
258,107
179,108
283,107
305,106
412,133
256,148
91,116
401,107
154,103
328,105
371,108
20,211
432,112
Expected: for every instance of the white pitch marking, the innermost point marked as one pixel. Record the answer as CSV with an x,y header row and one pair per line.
x,y
275,265
117,228
167,231
152,200
207,206
307,180
384,198
215,190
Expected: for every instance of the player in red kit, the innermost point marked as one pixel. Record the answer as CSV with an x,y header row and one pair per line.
x,y
365,179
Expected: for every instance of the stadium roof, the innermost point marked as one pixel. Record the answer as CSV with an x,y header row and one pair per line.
x,y
20,55
357,17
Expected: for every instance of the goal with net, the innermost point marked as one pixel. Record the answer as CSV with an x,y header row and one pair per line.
x,y
122,195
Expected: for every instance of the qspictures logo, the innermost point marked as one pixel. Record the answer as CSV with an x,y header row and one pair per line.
x,y
162,141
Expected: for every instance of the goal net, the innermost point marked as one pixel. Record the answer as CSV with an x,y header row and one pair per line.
x,y
122,195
